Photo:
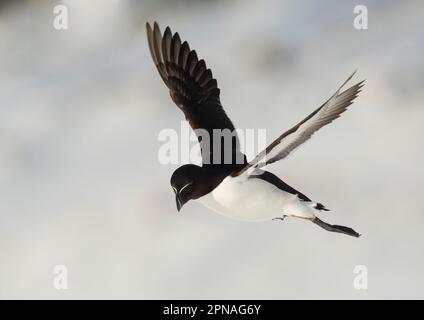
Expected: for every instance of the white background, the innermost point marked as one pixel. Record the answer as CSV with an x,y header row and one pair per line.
x,y
80,183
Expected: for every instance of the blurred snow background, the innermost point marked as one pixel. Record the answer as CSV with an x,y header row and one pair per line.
x,y
80,183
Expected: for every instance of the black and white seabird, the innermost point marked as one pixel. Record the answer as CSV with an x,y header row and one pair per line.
x,y
237,189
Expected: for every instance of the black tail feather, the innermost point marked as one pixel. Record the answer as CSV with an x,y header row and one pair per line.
x,y
320,206
336,228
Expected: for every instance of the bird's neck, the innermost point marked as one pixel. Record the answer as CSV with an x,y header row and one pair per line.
x,y
210,178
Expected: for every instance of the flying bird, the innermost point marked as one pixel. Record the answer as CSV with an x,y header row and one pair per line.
x,y
238,189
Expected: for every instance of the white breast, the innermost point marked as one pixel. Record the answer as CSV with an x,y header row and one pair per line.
x,y
251,199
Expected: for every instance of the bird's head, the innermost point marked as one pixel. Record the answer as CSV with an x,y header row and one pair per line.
x,y
185,182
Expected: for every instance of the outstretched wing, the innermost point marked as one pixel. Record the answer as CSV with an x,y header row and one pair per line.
x,y
293,138
194,90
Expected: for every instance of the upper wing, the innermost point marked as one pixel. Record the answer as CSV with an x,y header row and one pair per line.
x,y
301,132
192,88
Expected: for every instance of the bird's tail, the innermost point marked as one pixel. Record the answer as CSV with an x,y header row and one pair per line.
x,y
336,228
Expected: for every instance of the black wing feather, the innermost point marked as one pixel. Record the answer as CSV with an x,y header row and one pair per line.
x,y
191,86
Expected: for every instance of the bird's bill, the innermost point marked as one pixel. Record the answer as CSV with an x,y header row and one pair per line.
x,y
179,202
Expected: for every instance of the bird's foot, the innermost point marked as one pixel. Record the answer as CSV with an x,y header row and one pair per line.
x,y
280,218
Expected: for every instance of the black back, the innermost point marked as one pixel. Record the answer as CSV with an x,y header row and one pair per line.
x,y
273,179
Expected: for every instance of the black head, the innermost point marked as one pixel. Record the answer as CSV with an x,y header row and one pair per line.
x,y
186,182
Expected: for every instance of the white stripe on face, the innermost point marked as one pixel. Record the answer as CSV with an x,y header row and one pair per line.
x,y
188,184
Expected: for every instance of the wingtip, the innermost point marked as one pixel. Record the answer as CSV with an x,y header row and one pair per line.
x,y
177,37
168,30
149,26
360,85
353,73
347,80
156,27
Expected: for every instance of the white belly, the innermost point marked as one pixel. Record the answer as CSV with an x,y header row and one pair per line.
x,y
254,199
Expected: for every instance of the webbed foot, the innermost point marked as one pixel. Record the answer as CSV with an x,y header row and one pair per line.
x,y
280,218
